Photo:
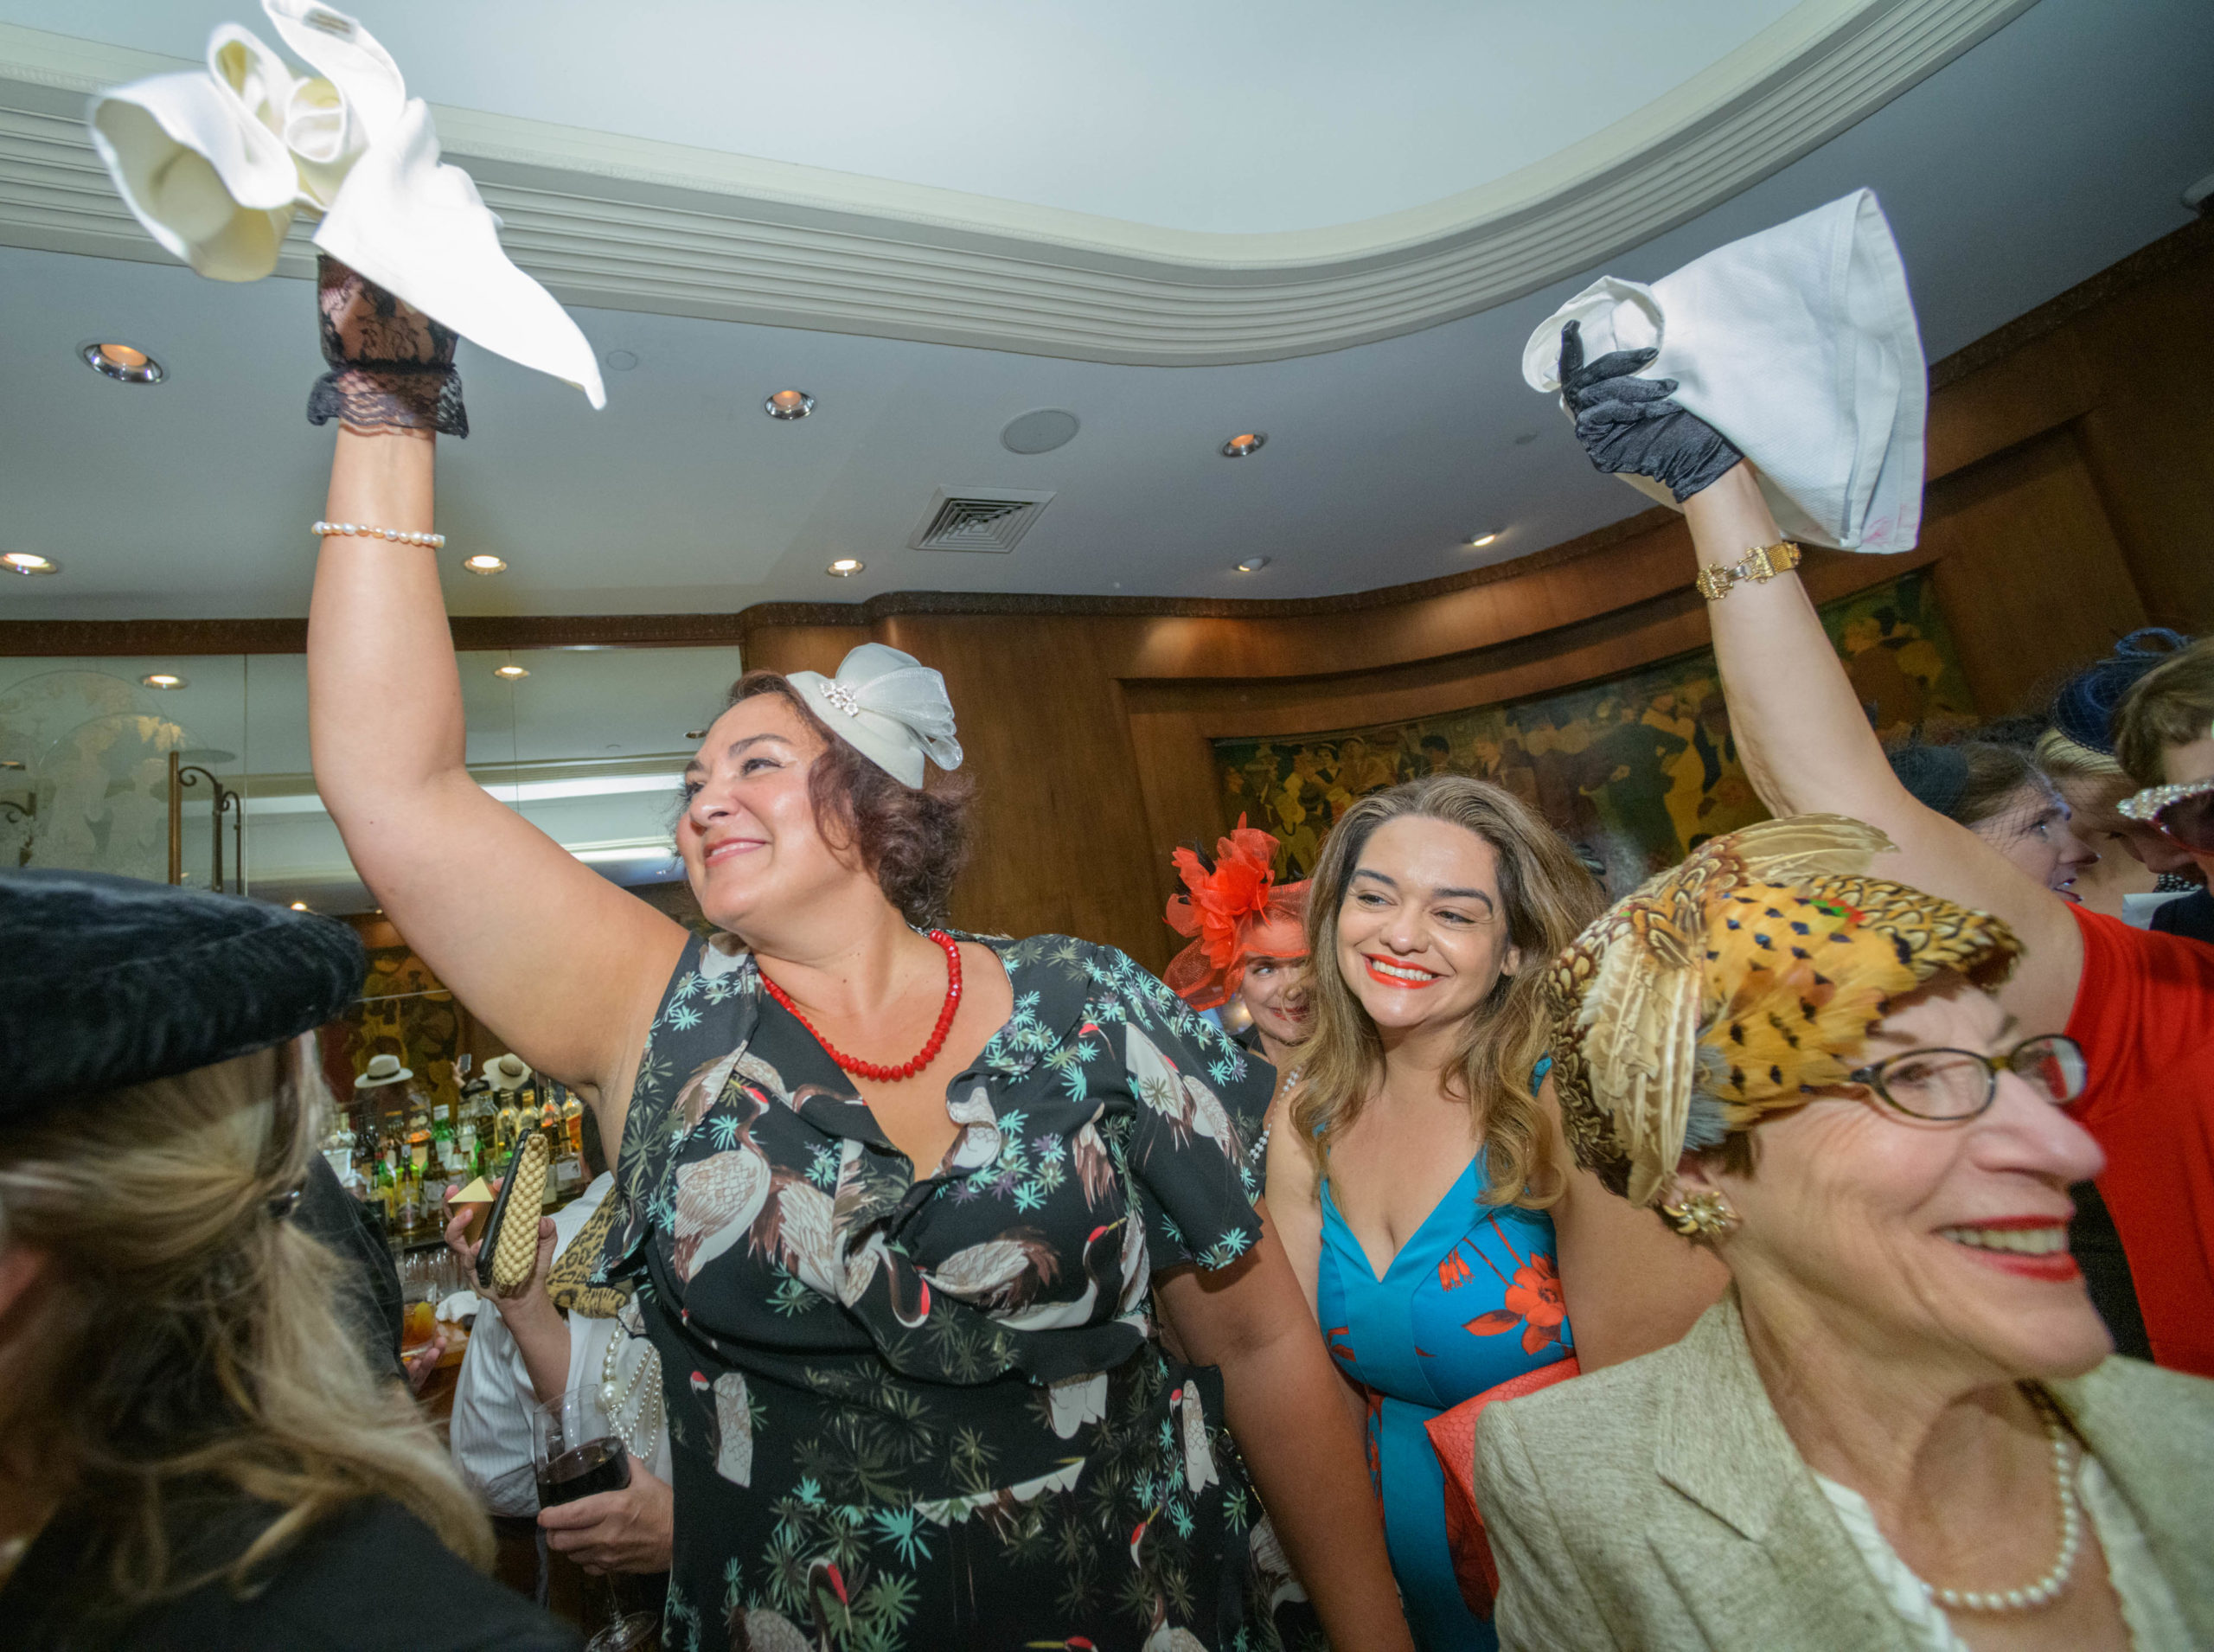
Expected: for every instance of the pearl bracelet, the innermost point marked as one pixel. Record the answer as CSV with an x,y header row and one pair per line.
x,y
362,530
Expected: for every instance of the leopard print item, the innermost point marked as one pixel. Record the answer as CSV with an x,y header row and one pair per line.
x,y
1792,971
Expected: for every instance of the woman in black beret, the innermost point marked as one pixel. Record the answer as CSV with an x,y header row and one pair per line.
x,y
193,1448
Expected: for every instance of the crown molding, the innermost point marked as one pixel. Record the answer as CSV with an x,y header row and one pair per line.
x,y
630,224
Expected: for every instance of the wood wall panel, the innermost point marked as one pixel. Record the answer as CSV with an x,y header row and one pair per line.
x,y
2030,574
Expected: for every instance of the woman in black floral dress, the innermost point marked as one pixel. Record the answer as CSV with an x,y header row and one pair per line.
x,y
910,1408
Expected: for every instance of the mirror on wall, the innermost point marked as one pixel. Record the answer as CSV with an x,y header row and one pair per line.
x,y
589,744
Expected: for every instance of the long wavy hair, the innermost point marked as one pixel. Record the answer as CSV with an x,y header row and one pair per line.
x,y
183,1336
1547,896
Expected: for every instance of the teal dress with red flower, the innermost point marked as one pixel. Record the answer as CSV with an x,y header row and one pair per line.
x,y
1472,1300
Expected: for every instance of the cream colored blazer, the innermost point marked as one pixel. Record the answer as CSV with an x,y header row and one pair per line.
x,y
1660,1504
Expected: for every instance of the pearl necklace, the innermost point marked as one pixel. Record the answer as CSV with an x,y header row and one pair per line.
x,y
640,1433
2047,1588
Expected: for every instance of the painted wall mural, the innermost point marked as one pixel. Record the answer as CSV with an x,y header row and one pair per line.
x,y
1636,770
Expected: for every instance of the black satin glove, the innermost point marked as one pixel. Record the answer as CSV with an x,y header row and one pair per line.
x,y
1628,425
391,365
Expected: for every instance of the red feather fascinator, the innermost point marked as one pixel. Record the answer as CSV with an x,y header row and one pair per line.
x,y
1234,910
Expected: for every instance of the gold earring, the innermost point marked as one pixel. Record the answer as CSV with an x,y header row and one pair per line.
x,y
1703,1215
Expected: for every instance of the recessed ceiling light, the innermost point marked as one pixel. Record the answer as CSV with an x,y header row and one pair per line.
x,y
1252,565
1246,446
163,679
125,363
788,404
511,671
1477,541
482,564
846,567
29,562
695,734
620,361
299,906
11,763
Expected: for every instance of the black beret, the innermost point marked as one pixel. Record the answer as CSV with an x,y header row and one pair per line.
x,y
106,981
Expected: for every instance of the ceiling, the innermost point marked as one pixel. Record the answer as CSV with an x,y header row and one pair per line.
x,y
1116,140
1297,116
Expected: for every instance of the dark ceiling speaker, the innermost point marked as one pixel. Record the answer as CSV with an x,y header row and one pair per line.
x,y
1040,431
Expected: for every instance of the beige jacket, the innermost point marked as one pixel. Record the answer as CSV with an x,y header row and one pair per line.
x,y
1659,1505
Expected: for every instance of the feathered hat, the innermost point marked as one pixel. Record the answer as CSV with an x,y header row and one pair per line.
x,y
1234,910
1733,984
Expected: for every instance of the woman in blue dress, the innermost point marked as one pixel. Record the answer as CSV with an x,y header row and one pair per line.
x,y
1415,1169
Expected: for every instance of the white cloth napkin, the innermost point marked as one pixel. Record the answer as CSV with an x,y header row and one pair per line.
x,y
1800,345
462,1305
216,164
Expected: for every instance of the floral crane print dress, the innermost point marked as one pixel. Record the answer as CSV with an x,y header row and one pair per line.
x,y
925,1411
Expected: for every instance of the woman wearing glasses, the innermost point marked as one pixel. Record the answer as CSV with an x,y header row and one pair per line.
x,y
1900,1430
2141,1005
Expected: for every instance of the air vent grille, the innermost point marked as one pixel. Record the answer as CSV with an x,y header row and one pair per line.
x,y
976,519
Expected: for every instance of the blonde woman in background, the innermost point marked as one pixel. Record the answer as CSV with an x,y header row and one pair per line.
x,y
1415,1169
2135,858
194,1451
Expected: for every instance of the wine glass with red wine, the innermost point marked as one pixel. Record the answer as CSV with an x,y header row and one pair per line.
x,y
577,1453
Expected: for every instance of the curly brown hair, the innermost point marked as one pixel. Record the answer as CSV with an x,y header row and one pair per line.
x,y
911,841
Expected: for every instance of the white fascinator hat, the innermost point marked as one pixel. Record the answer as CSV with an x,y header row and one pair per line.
x,y
216,164
1799,344
887,706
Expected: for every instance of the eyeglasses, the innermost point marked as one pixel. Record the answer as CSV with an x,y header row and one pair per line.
x,y
1955,1084
2185,812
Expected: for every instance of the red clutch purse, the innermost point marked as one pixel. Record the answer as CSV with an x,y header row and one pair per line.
x,y
1453,1437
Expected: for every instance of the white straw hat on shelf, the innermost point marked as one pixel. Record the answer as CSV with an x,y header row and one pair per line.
x,y
383,1070
507,1073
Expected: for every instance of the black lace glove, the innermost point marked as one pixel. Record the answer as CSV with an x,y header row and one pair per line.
x,y
1628,425
391,365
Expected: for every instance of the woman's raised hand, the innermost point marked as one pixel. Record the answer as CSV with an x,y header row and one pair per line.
x,y
391,365
1630,425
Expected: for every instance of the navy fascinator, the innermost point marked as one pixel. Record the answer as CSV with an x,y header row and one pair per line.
x,y
2084,710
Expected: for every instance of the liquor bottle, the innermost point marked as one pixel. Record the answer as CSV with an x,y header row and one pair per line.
x,y
572,1121
504,1127
385,1191
466,1156
444,1159
410,1216
418,1137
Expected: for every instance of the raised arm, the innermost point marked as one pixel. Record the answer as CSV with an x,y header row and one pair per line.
x,y
1800,728
1808,749
563,964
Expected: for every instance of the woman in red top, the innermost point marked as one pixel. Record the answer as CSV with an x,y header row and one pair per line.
x,y
2141,1004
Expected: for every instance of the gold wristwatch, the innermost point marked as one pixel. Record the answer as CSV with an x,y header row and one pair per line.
x,y
1761,563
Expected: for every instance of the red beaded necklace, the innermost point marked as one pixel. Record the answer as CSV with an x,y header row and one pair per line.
x,y
929,1051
